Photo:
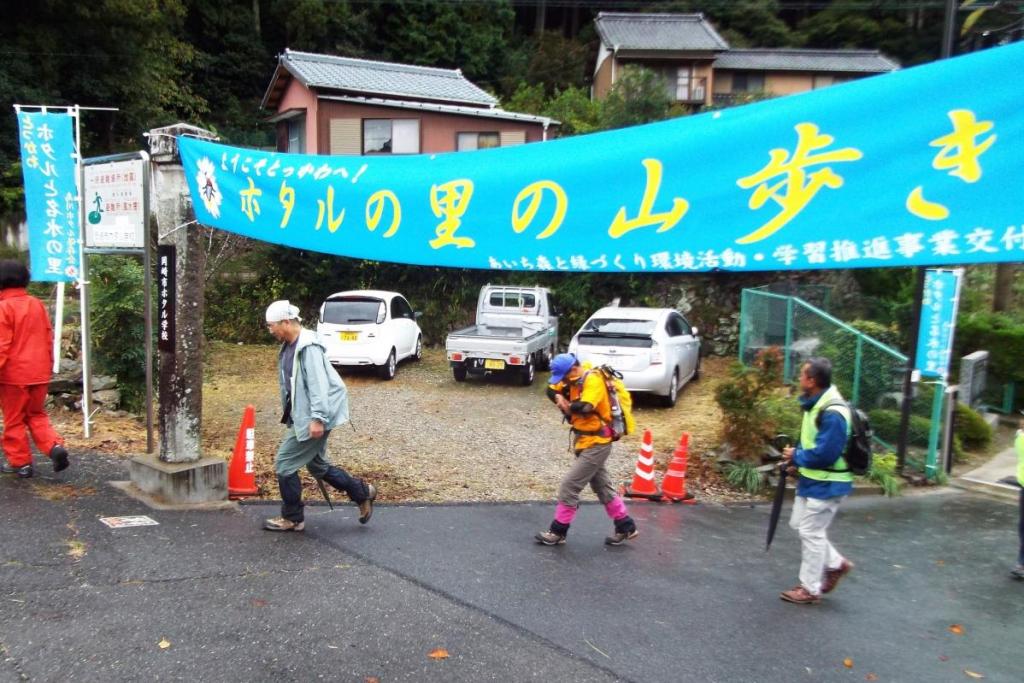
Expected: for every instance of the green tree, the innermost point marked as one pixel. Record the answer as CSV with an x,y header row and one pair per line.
x,y
639,96
472,36
575,110
911,37
127,54
743,23
329,26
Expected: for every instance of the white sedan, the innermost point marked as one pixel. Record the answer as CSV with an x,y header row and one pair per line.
x,y
655,349
369,327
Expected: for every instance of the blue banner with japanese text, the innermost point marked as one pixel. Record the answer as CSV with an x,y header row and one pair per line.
x,y
920,166
51,194
939,303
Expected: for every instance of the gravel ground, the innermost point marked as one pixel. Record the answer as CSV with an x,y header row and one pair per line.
x,y
423,436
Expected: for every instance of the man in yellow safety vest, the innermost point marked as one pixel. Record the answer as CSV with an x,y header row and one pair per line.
x,y
824,481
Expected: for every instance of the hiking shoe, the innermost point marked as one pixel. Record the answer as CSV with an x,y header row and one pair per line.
x,y
59,456
800,596
23,472
550,538
832,576
1018,572
282,524
366,507
620,537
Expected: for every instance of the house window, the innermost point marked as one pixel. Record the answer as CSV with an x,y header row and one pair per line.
x,y
297,135
683,84
469,141
822,81
747,81
391,136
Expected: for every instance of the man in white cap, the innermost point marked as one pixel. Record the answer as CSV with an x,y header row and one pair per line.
x,y
314,401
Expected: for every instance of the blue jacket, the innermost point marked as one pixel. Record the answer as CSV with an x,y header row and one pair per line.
x,y
828,446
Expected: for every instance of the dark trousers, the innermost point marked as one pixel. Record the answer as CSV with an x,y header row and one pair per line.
x,y
291,490
292,455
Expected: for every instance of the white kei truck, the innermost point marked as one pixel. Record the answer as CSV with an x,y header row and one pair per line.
x,y
516,332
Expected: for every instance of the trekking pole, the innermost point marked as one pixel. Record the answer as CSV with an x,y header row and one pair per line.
x,y
323,490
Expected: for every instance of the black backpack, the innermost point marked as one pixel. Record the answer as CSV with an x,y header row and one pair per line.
x,y
858,447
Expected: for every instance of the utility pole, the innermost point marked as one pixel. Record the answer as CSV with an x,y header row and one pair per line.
x,y
180,475
948,28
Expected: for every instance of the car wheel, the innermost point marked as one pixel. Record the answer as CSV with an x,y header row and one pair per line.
x,y
673,391
418,353
459,371
545,360
387,371
527,374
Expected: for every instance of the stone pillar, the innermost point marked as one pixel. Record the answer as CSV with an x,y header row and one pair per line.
x,y
180,473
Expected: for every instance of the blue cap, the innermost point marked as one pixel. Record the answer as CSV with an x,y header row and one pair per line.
x,y
560,365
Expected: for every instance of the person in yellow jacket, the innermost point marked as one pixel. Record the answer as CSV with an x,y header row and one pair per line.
x,y
1018,445
824,481
582,397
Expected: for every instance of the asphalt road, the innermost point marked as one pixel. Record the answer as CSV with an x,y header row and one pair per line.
x,y
694,598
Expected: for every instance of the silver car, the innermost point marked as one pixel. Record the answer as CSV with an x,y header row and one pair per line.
x,y
655,349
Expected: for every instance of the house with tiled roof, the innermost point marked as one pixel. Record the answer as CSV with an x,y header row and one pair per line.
x,y
323,104
700,68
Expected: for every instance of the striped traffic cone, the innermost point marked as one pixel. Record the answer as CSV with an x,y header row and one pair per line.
x,y
241,474
643,485
673,485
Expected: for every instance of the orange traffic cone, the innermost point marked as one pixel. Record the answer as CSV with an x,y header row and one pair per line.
x,y
673,486
241,475
643,485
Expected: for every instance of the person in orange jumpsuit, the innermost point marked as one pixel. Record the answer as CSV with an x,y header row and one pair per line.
x,y
26,361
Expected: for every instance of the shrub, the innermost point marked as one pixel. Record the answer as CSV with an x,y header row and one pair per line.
x,y
886,424
784,413
746,425
883,473
999,334
744,476
117,324
876,366
971,427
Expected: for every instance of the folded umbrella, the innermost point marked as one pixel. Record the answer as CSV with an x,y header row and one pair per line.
x,y
779,442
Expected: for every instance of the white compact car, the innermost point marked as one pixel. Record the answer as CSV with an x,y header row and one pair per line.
x,y
369,327
655,349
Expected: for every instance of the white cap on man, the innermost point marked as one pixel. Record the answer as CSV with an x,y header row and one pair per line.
x,y
282,310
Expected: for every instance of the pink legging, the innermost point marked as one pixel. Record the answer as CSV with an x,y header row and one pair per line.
x,y
616,509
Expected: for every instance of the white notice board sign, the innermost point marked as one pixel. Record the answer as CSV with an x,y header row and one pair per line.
x,y
114,205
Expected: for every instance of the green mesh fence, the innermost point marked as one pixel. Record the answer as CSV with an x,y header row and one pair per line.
x,y
868,373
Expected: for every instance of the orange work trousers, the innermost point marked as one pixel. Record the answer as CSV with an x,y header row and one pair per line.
x,y
24,412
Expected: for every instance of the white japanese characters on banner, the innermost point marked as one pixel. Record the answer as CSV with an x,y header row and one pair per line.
x,y
51,194
939,305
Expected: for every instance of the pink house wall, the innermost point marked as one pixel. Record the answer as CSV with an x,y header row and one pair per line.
x,y
298,96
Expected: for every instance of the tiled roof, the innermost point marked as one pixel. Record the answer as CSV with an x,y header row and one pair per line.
x,y
674,32
489,113
384,78
784,59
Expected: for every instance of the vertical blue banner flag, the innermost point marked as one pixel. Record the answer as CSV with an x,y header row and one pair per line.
x,y
51,194
938,320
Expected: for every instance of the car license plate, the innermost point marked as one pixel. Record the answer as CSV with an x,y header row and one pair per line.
x,y
348,336
493,364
